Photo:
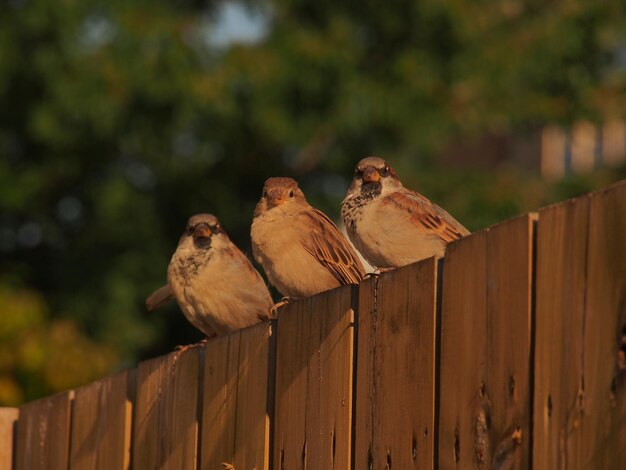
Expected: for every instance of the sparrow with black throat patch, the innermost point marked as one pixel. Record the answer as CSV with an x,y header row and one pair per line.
x,y
391,225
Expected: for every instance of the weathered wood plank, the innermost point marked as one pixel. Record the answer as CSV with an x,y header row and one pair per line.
x,y
509,316
580,390
365,373
165,430
235,423
8,421
101,424
486,349
313,409
463,310
560,301
396,369
43,432
604,359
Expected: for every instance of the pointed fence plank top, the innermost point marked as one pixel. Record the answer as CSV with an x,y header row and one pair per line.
x,y
509,353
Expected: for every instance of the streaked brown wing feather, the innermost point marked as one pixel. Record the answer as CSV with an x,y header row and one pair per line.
x,y
426,215
159,297
330,248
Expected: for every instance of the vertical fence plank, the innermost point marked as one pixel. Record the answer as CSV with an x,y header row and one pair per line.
x,y
166,412
509,324
396,369
101,424
219,403
560,300
43,432
485,349
463,310
313,410
235,423
580,390
8,419
604,360
365,373
255,376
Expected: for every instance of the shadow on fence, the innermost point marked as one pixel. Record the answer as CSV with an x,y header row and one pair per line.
x,y
509,353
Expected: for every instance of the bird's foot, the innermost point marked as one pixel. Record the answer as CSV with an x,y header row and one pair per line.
x,y
228,466
377,272
186,347
284,301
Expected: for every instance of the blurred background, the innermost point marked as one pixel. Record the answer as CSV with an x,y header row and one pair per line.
x,y
120,119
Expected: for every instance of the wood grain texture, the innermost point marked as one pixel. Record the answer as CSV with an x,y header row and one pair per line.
x,y
101,424
8,421
604,359
313,410
364,391
486,349
395,378
580,402
165,428
560,300
235,423
43,432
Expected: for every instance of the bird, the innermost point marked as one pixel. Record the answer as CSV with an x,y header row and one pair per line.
x,y
214,283
391,225
301,250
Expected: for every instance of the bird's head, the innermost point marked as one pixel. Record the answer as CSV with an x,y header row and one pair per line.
x,y
201,228
280,192
371,175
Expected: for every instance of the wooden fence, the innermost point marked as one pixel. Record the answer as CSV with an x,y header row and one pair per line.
x,y
510,353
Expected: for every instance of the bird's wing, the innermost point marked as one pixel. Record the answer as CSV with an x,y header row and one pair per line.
x,y
159,297
426,216
326,243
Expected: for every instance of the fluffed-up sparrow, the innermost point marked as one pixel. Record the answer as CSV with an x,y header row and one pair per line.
x,y
391,225
301,250
216,286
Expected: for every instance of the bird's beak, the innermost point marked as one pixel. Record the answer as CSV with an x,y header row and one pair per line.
x,y
276,197
371,175
202,231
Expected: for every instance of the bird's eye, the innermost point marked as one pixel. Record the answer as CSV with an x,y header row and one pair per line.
x,y
264,193
291,193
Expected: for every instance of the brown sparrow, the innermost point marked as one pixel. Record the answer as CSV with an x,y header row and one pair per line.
x,y
214,283
390,225
301,249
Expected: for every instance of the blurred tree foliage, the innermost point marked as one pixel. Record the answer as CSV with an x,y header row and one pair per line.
x,y
120,119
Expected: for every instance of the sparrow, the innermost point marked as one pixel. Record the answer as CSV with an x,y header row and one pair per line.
x,y
391,225
214,283
301,250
